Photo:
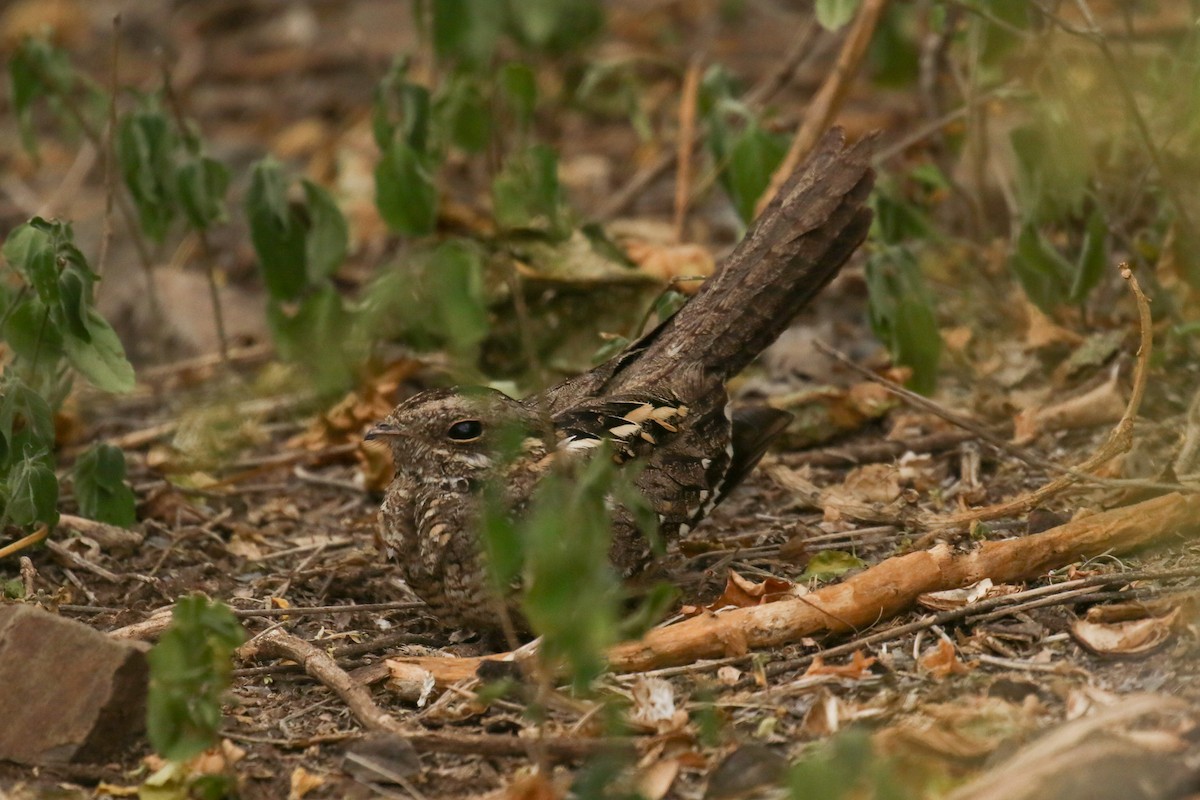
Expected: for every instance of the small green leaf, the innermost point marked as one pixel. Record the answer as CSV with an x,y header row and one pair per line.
x,y
26,421
100,488
30,251
74,291
555,25
830,564
275,229
101,360
519,86
1041,269
32,493
31,335
901,312
467,30
833,14
526,193
753,156
145,144
464,113
201,183
404,190
316,335
455,275
328,235
1093,259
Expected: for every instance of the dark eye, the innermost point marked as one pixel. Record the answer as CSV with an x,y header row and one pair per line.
x,y
465,430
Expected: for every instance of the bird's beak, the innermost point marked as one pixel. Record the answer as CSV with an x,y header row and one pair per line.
x,y
382,430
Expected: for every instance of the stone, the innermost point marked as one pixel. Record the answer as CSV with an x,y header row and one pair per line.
x,y
68,693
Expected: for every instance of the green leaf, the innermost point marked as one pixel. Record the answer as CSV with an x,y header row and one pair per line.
x,y
526,193
555,25
902,315
1093,259
102,359
455,279
145,144
1041,270
32,491
404,190
31,335
464,113
190,671
26,420
753,156
519,88
467,30
316,335
830,564
328,235
833,14
74,291
30,251
100,488
201,183
275,229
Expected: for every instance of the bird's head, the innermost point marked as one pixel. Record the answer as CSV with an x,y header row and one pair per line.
x,y
464,428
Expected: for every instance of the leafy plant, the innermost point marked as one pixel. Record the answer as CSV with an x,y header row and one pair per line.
x,y
558,553
300,244
53,331
190,671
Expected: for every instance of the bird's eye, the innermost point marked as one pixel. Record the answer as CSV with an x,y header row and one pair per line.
x,y
465,430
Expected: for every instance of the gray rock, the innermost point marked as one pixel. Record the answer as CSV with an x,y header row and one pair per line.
x,y
67,691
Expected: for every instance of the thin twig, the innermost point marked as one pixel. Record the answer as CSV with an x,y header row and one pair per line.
x,y
828,99
683,153
25,541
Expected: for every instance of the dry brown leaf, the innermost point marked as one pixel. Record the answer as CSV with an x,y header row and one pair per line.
x,y
942,661
302,782
858,668
534,787
873,483
670,262
654,781
1042,331
959,598
1129,638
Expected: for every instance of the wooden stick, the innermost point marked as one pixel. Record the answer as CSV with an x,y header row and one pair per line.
x,y
887,589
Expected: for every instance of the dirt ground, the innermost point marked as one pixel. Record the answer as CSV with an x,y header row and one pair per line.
x,y
251,495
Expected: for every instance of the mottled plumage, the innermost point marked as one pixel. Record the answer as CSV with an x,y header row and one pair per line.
x,y
661,402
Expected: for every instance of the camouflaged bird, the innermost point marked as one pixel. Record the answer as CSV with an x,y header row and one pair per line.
x,y
661,402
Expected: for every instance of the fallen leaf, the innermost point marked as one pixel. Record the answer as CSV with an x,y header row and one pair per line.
x,y
967,595
670,262
1129,638
830,564
942,661
534,787
857,669
654,781
1102,405
743,593
302,782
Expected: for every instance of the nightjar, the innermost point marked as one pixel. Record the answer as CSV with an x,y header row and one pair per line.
x,y
661,402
